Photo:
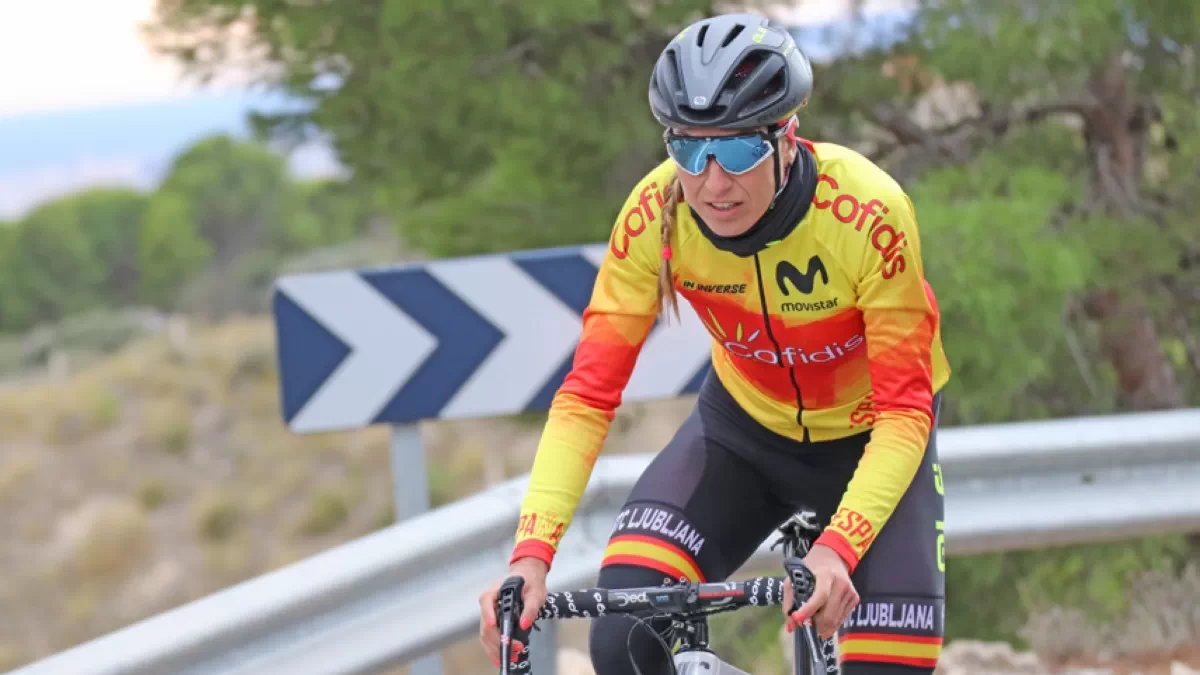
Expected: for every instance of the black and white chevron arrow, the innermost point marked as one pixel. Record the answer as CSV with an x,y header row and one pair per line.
x,y
469,337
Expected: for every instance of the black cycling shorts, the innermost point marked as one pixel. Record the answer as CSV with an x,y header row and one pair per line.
x,y
719,489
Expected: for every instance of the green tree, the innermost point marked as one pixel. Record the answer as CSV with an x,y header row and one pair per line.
x,y
238,194
170,249
225,217
110,218
1099,98
72,254
470,125
1114,72
991,259
8,236
334,212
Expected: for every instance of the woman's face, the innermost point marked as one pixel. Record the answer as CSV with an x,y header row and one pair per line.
x,y
731,204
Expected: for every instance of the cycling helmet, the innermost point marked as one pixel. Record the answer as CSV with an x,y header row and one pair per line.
x,y
733,71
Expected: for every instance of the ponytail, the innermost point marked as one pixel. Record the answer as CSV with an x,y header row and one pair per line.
x,y
666,284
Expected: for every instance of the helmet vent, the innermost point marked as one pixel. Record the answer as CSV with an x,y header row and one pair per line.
x,y
701,34
748,65
773,87
676,81
737,30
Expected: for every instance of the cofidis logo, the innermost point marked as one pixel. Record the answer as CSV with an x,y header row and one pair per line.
x,y
850,210
636,219
750,346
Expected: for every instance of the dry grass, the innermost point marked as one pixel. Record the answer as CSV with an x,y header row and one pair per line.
x,y
288,483
216,516
112,463
74,411
152,493
327,509
151,370
14,472
10,654
104,407
103,544
166,424
230,560
81,604
1163,617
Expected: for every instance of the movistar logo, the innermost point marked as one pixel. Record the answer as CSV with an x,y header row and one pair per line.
x,y
802,281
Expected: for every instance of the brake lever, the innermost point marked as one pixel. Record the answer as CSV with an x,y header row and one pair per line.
x,y
802,578
510,607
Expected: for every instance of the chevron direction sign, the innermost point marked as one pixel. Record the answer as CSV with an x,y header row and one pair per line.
x,y
467,337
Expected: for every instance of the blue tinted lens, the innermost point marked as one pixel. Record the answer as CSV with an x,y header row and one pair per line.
x,y
735,154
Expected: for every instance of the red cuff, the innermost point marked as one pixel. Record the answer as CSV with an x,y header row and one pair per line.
x,y
533,548
838,543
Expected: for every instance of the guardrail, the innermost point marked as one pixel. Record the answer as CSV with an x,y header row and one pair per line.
x,y
412,588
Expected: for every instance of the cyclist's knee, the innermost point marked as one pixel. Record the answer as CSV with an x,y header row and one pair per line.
x,y
617,642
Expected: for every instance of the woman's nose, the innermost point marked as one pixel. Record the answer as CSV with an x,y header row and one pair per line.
x,y
715,176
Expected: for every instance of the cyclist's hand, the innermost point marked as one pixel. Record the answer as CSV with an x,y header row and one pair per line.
x,y
534,594
833,596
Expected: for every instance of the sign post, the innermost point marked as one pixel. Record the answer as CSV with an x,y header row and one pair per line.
x,y
462,338
410,497
410,475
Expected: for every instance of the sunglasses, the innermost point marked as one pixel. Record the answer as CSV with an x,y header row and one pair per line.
x,y
736,154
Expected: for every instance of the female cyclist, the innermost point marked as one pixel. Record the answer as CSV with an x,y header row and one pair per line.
x,y
804,262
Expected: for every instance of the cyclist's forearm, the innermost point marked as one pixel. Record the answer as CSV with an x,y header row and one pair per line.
x,y
562,467
886,469
578,423
616,322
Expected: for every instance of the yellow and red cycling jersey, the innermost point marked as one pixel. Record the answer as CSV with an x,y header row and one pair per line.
x,y
830,332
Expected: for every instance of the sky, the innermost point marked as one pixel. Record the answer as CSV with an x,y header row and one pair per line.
x,y
90,103
118,67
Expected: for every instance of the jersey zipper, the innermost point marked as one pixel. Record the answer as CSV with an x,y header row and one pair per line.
x,y
766,314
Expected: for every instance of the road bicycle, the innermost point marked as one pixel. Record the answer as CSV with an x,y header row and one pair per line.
x,y
688,606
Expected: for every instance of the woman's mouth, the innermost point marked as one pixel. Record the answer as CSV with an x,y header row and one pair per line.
x,y
724,208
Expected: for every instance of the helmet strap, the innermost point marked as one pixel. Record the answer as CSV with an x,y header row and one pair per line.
x,y
778,172
789,130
